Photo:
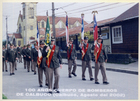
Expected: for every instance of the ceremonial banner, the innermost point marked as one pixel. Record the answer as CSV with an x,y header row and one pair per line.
x,y
69,53
95,35
37,36
82,29
48,60
84,51
48,34
67,30
39,58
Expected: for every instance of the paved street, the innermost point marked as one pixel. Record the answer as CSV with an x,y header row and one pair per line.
x,y
24,85
126,68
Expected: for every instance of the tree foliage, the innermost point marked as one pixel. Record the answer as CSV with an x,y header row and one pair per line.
x,y
89,35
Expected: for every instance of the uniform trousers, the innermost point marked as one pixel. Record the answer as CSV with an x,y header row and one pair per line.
x,y
28,65
84,65
101,66
50,73
25,63
15,64
11,65
70,63
4,64
40,75
34,66
20,58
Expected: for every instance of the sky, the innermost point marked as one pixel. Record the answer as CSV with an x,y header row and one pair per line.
x,y
73,9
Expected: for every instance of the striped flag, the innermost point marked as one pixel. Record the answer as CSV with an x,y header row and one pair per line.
x,y
95,29
82,29
67,30
37,35
39,58
95,34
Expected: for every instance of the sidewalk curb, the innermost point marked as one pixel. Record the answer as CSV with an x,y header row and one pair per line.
x,y
115,70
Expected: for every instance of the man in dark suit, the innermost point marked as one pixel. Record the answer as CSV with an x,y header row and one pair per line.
x,y
28,57
34,55
72,56
100,63
11,56
4,64
85,49
54,61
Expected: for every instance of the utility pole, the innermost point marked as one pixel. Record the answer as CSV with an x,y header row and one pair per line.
x,y
7,33
53,19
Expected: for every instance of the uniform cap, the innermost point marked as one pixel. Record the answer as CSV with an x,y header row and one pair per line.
x,y
99,37
28,45
71,39
85,38
42,43
11,44
52,38
35,44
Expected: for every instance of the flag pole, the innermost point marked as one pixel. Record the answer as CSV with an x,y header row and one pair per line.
x,y
39,35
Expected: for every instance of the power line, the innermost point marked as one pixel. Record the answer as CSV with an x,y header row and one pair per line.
x,y
77,13
85,13
102,9
81,8
93,8
66,5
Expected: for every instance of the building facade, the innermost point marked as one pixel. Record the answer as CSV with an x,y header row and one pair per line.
x,y
27,24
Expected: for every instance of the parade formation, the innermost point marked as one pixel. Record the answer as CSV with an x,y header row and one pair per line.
x,y
51,61
70,55
46,57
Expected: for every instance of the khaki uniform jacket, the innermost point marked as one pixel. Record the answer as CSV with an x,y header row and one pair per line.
x,y
103,55
73,53
24,53
88,55
28,53
34,54
19,50
56,58
11,55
